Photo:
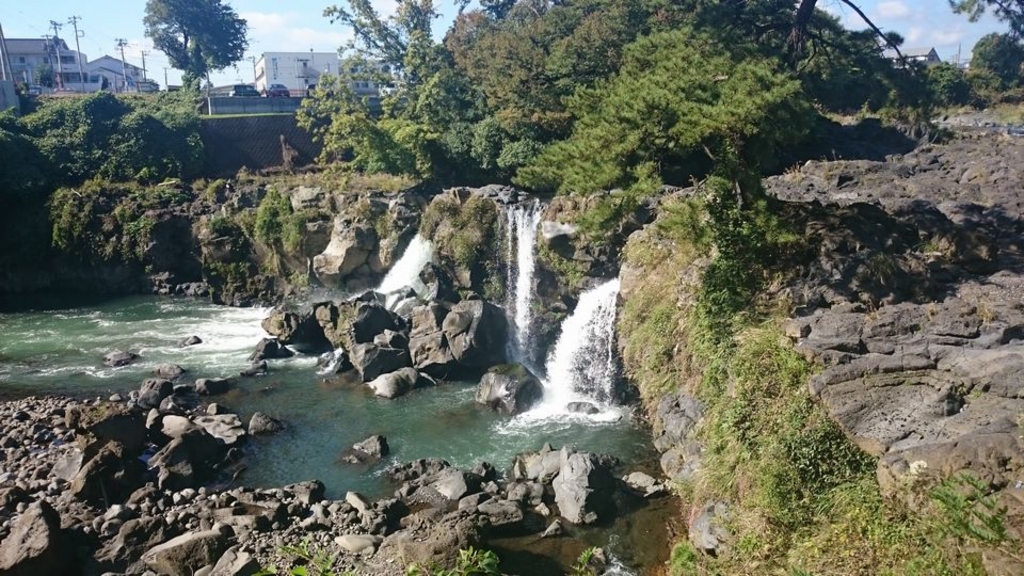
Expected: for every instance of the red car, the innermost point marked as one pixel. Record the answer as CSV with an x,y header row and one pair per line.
x,y
277,91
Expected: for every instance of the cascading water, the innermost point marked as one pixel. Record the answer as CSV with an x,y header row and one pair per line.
x,y
582,367
521,223
406,271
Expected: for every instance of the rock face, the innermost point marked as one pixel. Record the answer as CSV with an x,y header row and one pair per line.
x,y
351,258
510,389
583,488
36,544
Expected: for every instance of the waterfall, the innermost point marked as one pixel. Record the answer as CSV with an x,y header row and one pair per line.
x,y
582,367
521,223
406,272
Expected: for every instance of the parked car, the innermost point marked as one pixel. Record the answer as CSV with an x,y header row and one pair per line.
x,y
34,90
243,91
278,91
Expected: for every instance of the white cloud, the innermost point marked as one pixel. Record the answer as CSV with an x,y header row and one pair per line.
x,y
946,37
914,35
893,9
291,32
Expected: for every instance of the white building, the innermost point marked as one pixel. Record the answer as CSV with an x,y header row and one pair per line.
x,y
111,70
296,70
29,55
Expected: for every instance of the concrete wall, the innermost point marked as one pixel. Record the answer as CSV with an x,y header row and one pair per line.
x,y
221,106
8,96
253,142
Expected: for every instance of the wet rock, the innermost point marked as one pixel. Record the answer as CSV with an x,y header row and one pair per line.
x,y
645,484
35,544
270,349
225,427
334,362
554,529
169,371
509,389
153,391
391,339
395,384
263,425
588,408
299,329
212,386
257,369
540,466
376,446
119,358
583,488
190,341
185,554
371,360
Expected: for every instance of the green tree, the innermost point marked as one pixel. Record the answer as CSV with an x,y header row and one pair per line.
x,y
680,102
1009,11
1000,54
198,36
949,84
44,76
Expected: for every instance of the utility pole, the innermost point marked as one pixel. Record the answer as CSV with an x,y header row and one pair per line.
x,y
121,43
144,52
56,50
6,73
166,83
78,48
253,60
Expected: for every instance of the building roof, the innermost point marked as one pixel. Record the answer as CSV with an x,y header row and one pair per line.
x,y
111,64
917,52
32,45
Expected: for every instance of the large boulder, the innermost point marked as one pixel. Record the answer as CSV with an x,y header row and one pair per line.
x,y
225,427
269,349
395,384
35,544
263,425
350,253
371,319
298,329
183,555
108,422
212,386
477,333
509,388
371,360
119,358
584,488
440,285
187,461
109,476
153,391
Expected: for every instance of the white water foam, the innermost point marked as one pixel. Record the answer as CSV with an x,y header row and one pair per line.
x,y
406,271
521,223
582,367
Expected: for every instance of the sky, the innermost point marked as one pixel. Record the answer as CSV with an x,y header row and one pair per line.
x,y
298,25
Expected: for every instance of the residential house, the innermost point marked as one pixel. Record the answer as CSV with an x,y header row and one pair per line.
x,y
301,70
28,56
296,70
110,69
926,56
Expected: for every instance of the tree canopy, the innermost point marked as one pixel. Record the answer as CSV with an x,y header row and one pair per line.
x,y
1002,55
1009,11
198,36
